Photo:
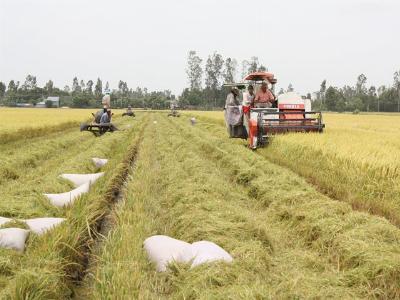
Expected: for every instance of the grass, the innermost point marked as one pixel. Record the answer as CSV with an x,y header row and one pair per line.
x,y
287,239
53,262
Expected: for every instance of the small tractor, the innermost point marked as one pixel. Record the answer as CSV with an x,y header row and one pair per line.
x,y
173,112
129,112
96,127
291,113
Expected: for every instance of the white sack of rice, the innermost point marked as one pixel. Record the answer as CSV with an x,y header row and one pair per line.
x,y
80,179
41,225
204,252
4,220
13,238
163,250
99,162
68,198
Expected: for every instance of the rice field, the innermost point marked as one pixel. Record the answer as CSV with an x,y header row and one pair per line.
x,y
356,159
309,216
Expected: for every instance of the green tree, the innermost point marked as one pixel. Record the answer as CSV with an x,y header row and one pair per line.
x,y
214,67
98,89
30,83
2,90
262,68
49,87
229,72
253,64
396,86
290,88
76,88
83,86
12,86
360,85
322,90
194,70
89,87
332,97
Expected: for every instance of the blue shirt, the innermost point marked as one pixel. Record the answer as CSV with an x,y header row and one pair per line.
x,y
104,118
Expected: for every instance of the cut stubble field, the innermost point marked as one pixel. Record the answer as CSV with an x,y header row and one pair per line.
x,y
293,226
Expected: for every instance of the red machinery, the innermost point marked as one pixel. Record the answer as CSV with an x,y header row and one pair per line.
x,y
292,113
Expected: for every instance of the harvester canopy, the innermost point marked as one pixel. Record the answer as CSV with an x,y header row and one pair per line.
x,y
261,76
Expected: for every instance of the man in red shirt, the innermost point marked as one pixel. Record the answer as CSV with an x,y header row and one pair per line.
x,y
264,97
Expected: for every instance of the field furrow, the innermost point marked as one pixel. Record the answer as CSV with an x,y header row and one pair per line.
x,y
287,239
52,263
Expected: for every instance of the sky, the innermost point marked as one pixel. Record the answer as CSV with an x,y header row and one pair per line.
x,y
146,43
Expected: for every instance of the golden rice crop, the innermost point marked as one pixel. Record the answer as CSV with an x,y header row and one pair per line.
x,y
53,261
356,159
18,123
288,240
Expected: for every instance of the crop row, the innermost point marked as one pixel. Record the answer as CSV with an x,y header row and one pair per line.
x,y
54,262
287,239
355,160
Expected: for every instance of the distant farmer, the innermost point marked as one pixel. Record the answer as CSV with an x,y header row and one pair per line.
x,y
264,97
129,112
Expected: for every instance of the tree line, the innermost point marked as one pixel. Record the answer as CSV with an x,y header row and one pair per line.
x,y
205,90
82,94
360,97
216,70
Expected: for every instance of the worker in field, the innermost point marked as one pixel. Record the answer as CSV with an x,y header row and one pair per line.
x,y
129,112
106,120
264,97
233,98
234,114
248,98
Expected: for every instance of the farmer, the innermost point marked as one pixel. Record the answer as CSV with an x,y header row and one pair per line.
x,y
106,120
106,101
233,98
129,112
234,114
248,98
264,97
106,117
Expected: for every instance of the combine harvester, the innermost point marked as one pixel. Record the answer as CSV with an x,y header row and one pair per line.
x,y
290,113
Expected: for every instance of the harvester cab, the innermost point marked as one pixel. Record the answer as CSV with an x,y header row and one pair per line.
x,y
288,113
